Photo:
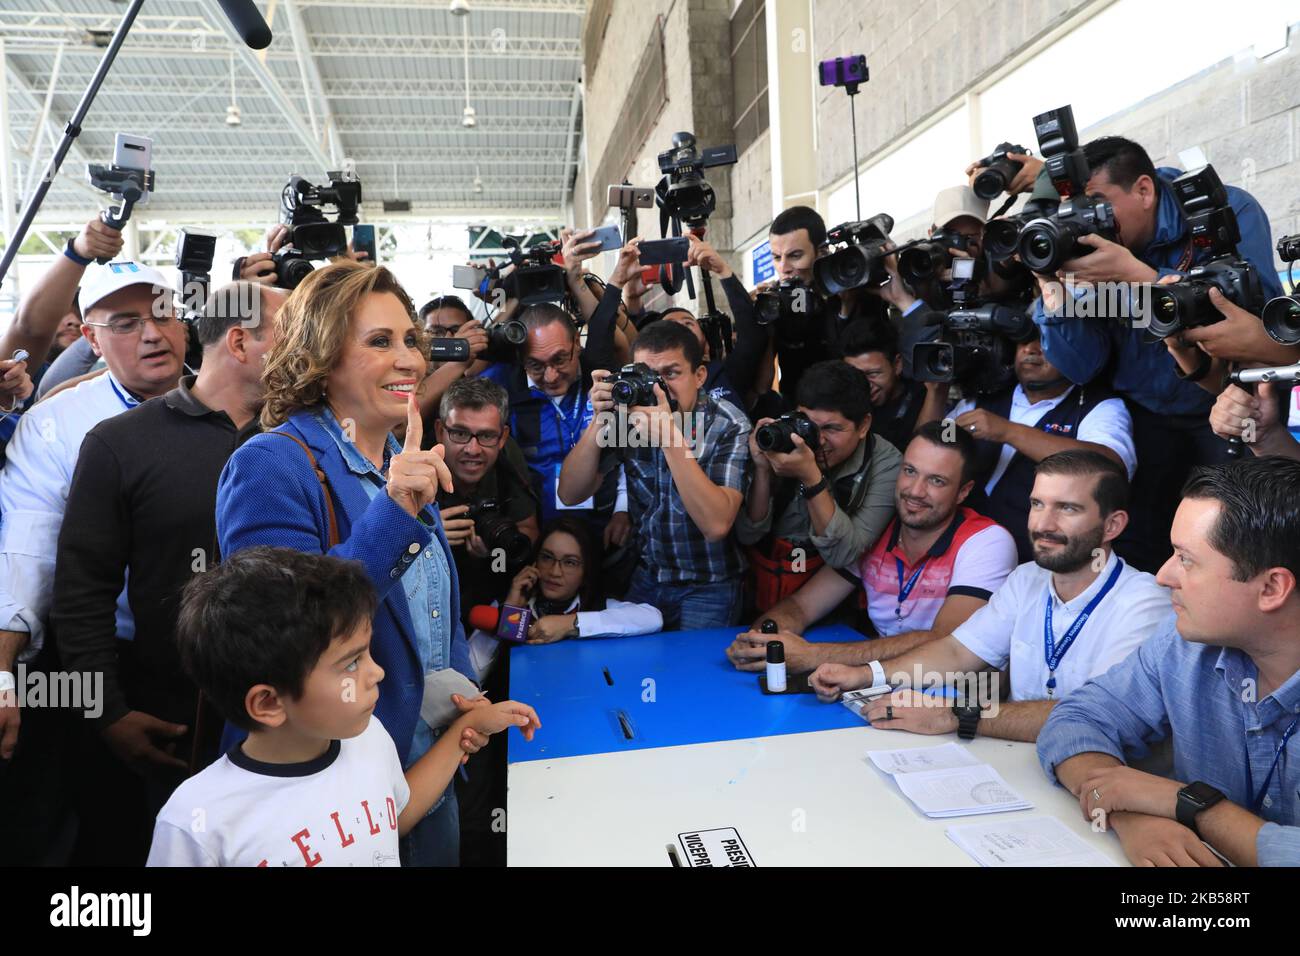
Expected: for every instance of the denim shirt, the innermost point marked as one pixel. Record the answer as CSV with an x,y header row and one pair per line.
x,y
427,582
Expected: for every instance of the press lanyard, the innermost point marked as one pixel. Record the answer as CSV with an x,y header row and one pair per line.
x,y
568,432
1281,747
1053,652
127,400
905,589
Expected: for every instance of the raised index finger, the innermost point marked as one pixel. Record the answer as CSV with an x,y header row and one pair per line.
x,y
414,425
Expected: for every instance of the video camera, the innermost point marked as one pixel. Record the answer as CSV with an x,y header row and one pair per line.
x,y
1045,243
533,277
997,171
861,261
684,194
921,261
1213,226
978,343
311,235
1281,316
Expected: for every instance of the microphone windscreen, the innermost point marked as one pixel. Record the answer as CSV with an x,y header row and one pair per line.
x,y
248,23
484,618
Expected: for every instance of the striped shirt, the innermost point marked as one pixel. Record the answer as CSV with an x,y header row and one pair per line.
x,y
671,546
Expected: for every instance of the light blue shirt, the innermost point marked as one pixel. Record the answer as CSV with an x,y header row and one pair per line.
x,y
427,582
1205,696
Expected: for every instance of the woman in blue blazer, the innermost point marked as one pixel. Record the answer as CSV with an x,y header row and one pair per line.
x,y
341,375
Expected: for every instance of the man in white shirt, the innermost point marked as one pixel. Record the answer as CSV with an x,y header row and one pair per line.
x,y
129,317
1045,413
1068,616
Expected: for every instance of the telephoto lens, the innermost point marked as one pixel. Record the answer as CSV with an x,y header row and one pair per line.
x,y
998,171
778,436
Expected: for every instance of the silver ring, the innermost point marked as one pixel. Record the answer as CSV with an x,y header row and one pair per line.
x,y
889,712
1096,794
972,428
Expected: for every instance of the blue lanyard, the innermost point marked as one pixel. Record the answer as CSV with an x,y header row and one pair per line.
x,y
128,400
905,589
1277,755
568,430
1053,653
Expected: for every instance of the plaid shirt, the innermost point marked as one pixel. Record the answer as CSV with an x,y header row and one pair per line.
x,y
669,542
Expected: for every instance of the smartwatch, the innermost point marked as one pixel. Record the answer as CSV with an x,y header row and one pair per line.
x,y
1192,799
71,252
812,491
968,719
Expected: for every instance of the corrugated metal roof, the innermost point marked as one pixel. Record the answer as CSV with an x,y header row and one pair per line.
x,y
391,86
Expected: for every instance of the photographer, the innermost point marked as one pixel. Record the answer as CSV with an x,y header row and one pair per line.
x,y
684,483
936,564
1169,411
819,504
548,391
899,406
448,317
486,466
1043,414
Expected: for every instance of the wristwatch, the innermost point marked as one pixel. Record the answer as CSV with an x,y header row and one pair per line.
x,y
968,718
812,491
71,252
1194,798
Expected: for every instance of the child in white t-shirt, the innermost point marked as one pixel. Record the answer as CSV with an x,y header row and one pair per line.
x,y
279,641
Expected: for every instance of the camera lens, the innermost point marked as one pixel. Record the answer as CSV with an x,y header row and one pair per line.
x,y
293,272
1000,237
1281,319
991,183
1165,312
1040,246
774,436
514,333
767,308
921,262
624,393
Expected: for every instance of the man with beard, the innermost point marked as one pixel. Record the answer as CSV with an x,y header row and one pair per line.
x,y
1044,414
934,566
1059,621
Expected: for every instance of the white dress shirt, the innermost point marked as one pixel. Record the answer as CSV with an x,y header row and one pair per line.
x,y
34,483
1107,424
1010,628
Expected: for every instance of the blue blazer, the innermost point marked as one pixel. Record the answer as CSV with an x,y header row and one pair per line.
x,y
269,495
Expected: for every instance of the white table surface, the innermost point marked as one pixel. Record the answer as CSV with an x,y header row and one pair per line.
x,y
797,800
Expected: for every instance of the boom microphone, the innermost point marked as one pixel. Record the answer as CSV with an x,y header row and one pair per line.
x,y
248,23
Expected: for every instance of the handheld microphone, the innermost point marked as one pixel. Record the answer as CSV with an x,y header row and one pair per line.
x,y
248,23
506,623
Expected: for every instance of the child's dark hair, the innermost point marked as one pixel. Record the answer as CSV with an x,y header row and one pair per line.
x,y
265,616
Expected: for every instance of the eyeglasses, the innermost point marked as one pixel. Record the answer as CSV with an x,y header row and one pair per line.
x,y
546,559
461,436
538,369
130,324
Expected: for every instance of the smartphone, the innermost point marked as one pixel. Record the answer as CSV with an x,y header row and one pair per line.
x,y
133,152
467,277
363,240
609,237
627,196
660,252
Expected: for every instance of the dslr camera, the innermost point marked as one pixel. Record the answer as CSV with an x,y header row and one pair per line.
x,y
778,436
921,261
978,343
1047,242
498,531
635,385
861,260
1213,226
505,339
311,235
788,306
684,194
1281,316
997,171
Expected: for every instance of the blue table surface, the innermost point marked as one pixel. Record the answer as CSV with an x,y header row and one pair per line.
x,y
672,688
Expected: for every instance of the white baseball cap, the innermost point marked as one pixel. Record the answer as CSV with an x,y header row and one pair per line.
x,y
956,202
105,280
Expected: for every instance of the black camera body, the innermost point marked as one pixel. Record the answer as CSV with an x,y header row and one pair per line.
x,y
683,193
922,261
1002,235
1213,226
311,235
634,385
505,340
977,345
861,261
1045,243
499,532
778,436
788,305
997,171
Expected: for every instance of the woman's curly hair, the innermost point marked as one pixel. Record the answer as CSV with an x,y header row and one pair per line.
x,y
311,330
